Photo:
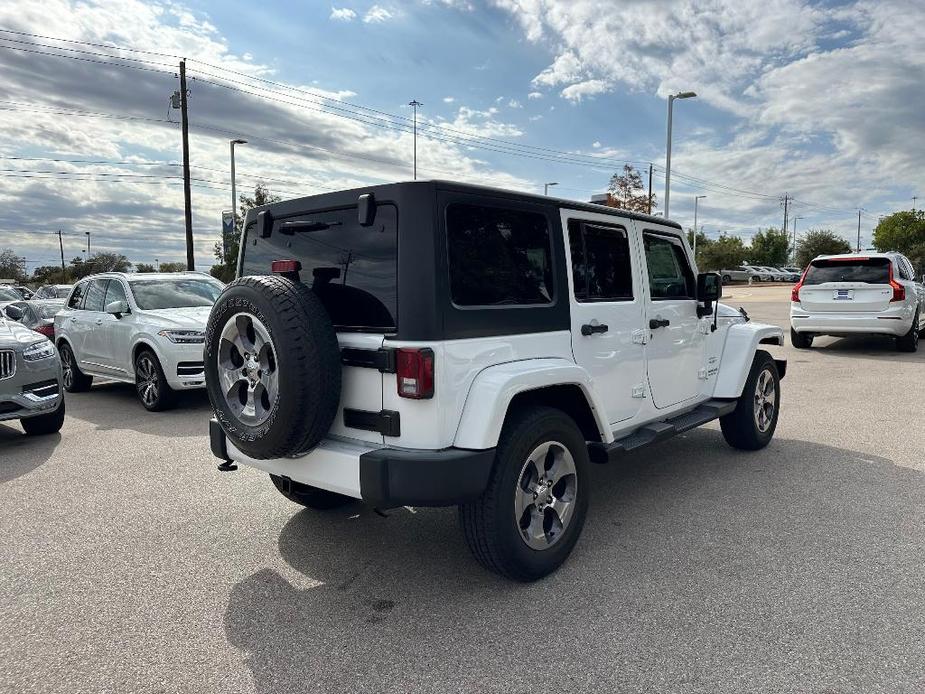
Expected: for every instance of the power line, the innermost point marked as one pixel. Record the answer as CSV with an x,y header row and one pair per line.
x,y
87,43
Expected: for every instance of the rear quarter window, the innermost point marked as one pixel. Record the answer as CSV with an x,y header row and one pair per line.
x,y
867,270
353,269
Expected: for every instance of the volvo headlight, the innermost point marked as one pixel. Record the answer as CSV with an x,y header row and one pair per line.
x,y
40,350
184,337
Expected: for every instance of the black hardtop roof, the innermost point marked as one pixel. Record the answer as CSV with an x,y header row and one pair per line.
x,y
392,190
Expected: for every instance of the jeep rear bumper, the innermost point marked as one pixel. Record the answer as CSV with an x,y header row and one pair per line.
x,y
382,477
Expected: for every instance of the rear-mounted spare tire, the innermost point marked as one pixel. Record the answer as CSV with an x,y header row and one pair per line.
x,y
272,366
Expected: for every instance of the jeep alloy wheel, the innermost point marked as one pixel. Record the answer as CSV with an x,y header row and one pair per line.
x,y
545,496
247,369
765,400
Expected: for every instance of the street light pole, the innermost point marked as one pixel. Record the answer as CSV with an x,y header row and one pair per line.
x,y
795,218
546,187
88,243
671,98
859,230
414,103
234,192
697,199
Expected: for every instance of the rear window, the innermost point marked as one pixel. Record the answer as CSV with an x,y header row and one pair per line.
x,y
498,256
869,270
353,269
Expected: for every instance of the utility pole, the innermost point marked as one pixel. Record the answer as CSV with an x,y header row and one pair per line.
x,y
650,189
859,231
187,202
786,210
914,198
795,218
414,103
63,269
88,243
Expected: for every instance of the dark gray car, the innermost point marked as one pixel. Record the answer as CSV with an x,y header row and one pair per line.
x,y
30,380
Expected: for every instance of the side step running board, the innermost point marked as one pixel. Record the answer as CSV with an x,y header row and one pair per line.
x,y
659,431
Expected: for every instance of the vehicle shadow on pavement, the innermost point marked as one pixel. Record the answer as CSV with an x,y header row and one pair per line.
x,y
112,405
31,451
700,569
872,346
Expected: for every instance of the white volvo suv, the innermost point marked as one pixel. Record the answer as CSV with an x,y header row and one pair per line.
x,y
146,329
858,294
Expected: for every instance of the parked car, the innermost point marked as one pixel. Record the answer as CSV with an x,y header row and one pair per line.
x,y
37,315
449,346
30,380
53,291
8,295
854,294
794,273
24,292
739,274
145,329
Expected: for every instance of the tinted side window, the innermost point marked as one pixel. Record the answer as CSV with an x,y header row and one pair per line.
x,y
96,292
353,269
601,264
670,277
115,292
77,296
498,256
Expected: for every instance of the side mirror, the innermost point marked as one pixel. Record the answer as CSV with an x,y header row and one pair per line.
x,y
709,289
14,313
117,308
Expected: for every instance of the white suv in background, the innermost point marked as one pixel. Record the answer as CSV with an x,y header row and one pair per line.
x,y
146,329
855,294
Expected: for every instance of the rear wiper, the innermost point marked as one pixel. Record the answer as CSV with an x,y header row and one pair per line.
x,y
289,228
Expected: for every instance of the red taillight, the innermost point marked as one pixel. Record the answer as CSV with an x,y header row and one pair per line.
x,y
283,266
415,373
899,291
46,330
795,292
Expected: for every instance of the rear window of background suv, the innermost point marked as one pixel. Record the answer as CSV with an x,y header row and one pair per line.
x,y
867,270
351,268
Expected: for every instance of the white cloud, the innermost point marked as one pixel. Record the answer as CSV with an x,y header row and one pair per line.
x,y
580,90
514,103
596,145
449,99
377,14
342,14
535,95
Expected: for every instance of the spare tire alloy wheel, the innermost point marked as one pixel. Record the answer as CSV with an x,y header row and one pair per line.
x,y
247,369
545,496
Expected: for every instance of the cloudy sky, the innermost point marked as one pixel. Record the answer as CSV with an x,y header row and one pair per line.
x,y
822,101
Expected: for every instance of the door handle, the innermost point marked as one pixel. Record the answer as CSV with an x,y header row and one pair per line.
x,y
99,321
655,323
73,319
588,329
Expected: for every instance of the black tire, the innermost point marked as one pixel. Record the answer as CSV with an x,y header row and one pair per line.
x,y
308,496
75,380
305,350
740,427
489,524
44,424
727,279
910,341
800,340
151,386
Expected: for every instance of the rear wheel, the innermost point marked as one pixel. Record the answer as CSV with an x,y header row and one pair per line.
x,y
751,425
75,380
727,279
529,518
308,496
800,340
45,423
910,341
153,391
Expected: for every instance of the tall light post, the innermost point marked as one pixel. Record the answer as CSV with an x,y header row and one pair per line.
x,y
860,209
234,192
697,199
414,103
671,98
795,238
88,243
546,187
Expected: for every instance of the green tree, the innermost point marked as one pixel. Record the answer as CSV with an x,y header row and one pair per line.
x,y
903,232
702,244
145,267
12,266
101,261
225,268
820,242
724,253
770,247
627,192
173,267
50,274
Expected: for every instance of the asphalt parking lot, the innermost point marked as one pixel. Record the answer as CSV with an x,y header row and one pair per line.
x,y
129,564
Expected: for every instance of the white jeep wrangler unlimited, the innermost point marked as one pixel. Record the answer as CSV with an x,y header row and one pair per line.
x,y
434,344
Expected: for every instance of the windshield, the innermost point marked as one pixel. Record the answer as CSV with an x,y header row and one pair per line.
x,y
45,311
7,294
62,292
178,293
868,270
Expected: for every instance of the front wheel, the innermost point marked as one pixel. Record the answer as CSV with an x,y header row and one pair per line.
x,y
45,423
910,341
151,384
800,340
526,523
750,426
727,279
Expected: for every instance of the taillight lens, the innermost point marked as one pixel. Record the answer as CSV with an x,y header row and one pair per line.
x,y
795,292
899,291
46,330
285,266
415,371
